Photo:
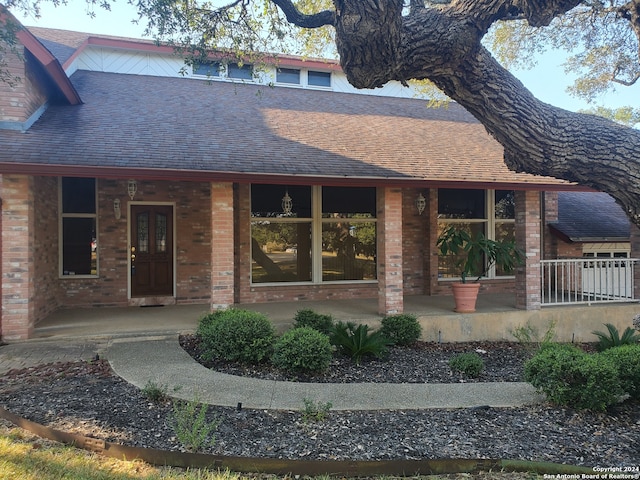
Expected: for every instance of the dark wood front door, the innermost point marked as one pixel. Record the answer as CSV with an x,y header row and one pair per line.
x,y
151,250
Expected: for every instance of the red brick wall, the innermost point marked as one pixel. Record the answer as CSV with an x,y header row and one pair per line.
x,y
390,262
45,255
222,246
415,242
18,102
18,274
528,282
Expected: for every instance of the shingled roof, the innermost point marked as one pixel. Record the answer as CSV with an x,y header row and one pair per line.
x,y
590,217
187,128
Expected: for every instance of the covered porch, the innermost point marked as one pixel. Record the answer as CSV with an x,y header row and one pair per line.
x,y
494,320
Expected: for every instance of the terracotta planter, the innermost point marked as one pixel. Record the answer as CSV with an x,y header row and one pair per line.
x,y
465,296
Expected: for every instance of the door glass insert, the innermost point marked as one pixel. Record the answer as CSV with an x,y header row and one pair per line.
x,y
143,232
161,233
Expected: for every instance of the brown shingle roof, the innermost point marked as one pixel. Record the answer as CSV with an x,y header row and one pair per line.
x,y
155,123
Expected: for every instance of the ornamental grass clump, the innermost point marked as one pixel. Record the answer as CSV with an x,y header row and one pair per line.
x,y
308,318
469,364
401,329
236,335
357,341
570,377
302,349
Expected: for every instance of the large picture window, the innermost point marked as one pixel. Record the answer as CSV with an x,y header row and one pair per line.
x,y
78,245
312,234
491,212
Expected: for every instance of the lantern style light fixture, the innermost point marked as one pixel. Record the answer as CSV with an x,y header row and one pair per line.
x,y
116,209
132,188
287,203
421,203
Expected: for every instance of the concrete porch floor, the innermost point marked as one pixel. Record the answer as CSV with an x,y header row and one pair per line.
x,y
494,319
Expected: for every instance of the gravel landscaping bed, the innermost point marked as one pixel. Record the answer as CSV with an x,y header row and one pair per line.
x,y
87,398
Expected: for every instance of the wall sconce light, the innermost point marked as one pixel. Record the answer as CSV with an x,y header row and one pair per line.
x,y
421,203
116,209
287,203
132,188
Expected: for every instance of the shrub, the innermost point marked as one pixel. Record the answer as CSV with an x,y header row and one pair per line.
x,y
236,335
356,341
568,376
470,364
309,318
193,430
626,358
315,412
302,349
613,339
401,329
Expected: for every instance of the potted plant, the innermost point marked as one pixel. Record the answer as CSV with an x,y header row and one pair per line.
x,y
476,254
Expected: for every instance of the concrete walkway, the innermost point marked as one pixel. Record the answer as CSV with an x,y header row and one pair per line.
x,y
161,360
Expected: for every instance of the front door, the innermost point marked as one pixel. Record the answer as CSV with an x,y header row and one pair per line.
x,y
151,250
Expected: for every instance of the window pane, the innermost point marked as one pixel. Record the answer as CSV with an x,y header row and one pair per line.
x,y
288,75
505,204
244,72
448,265
505,232
266,201
348,251
345,202
161,233
319,79
207,69
78,195
280,252
143,232
453,203
79,246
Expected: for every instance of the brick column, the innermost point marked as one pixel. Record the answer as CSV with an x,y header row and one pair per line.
x,y
222,247
528,281
390,285
18,220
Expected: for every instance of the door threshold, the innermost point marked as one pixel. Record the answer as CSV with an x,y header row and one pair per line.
x,y
159,301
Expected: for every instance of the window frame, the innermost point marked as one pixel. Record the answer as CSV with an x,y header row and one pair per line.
x,y
490,221
61,216
311,85
317,222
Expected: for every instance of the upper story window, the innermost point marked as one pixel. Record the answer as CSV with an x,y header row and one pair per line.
x,y
288,75
240,72
318,79
208,69
78,216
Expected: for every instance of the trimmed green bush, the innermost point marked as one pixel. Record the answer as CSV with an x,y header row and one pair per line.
x,y
470,364
570,377
402,329
308,318
302,349
627,360
612,337
357,341
236,335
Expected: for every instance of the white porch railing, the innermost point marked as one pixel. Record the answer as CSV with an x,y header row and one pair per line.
x,y
587,280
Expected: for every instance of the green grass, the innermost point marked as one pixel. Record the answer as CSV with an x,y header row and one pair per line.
x,y
27,457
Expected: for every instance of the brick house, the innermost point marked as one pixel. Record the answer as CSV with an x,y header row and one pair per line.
x,y
124,182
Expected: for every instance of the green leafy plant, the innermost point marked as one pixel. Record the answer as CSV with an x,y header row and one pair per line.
x,y
568,376
626,358
302,349
401,329
236,335
477,253
612,337
530,337
315,412
154,392
308,318
470,364
192,427
357,341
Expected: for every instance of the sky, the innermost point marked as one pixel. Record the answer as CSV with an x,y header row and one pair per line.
x,y
547,81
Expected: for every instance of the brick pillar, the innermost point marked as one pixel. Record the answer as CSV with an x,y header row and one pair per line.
x,y
528,280
222,246
18,220
390,285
